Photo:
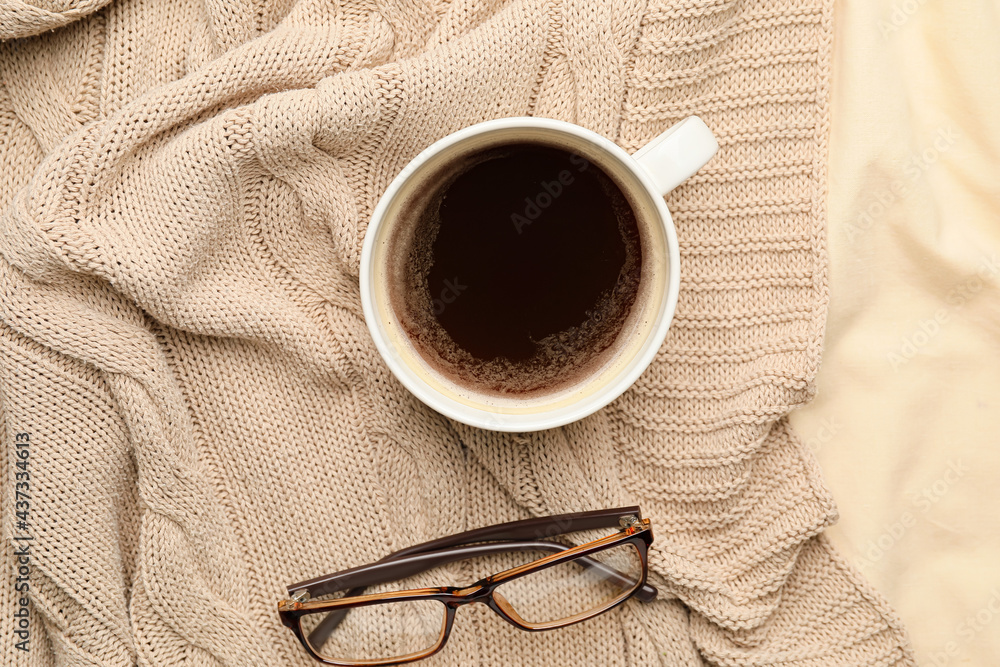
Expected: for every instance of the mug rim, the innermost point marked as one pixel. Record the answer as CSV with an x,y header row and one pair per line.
x,y
546,419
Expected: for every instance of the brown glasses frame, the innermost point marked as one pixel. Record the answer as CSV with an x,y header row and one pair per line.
x,y
513,536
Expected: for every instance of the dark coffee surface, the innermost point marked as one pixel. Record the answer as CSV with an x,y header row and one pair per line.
x,y
523,269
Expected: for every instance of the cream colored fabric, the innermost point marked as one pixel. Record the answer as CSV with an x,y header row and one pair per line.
x,y
906,416
186,192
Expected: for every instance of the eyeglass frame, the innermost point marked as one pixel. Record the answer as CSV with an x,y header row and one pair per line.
x,y
505,537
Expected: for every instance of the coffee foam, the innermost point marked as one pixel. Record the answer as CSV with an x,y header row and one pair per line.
x,y
561,359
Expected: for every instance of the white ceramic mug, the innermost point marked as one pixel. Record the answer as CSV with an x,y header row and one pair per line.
x,y
653,171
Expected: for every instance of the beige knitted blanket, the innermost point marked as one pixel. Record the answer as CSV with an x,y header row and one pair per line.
x,y
184,191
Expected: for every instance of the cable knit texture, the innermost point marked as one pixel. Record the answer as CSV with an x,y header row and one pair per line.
x,y
184,192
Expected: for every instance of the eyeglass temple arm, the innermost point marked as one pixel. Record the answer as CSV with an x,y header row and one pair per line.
x,y
528,529
406,566
400,567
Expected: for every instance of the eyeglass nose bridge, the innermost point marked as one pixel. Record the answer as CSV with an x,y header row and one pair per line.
x,y
473,593
487,595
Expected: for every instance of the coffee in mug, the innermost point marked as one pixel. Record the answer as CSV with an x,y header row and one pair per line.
x,y
516,271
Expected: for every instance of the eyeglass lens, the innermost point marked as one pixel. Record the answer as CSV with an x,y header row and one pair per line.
x,y
576,588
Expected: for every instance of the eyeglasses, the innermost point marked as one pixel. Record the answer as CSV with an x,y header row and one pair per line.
x,y
569,585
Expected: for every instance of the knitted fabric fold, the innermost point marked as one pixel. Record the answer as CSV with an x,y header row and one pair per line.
x,y
184,198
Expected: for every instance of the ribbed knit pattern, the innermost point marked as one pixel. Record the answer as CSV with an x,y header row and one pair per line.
x,y
184,192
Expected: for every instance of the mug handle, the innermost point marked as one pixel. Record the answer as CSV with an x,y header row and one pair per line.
x,y
674,156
